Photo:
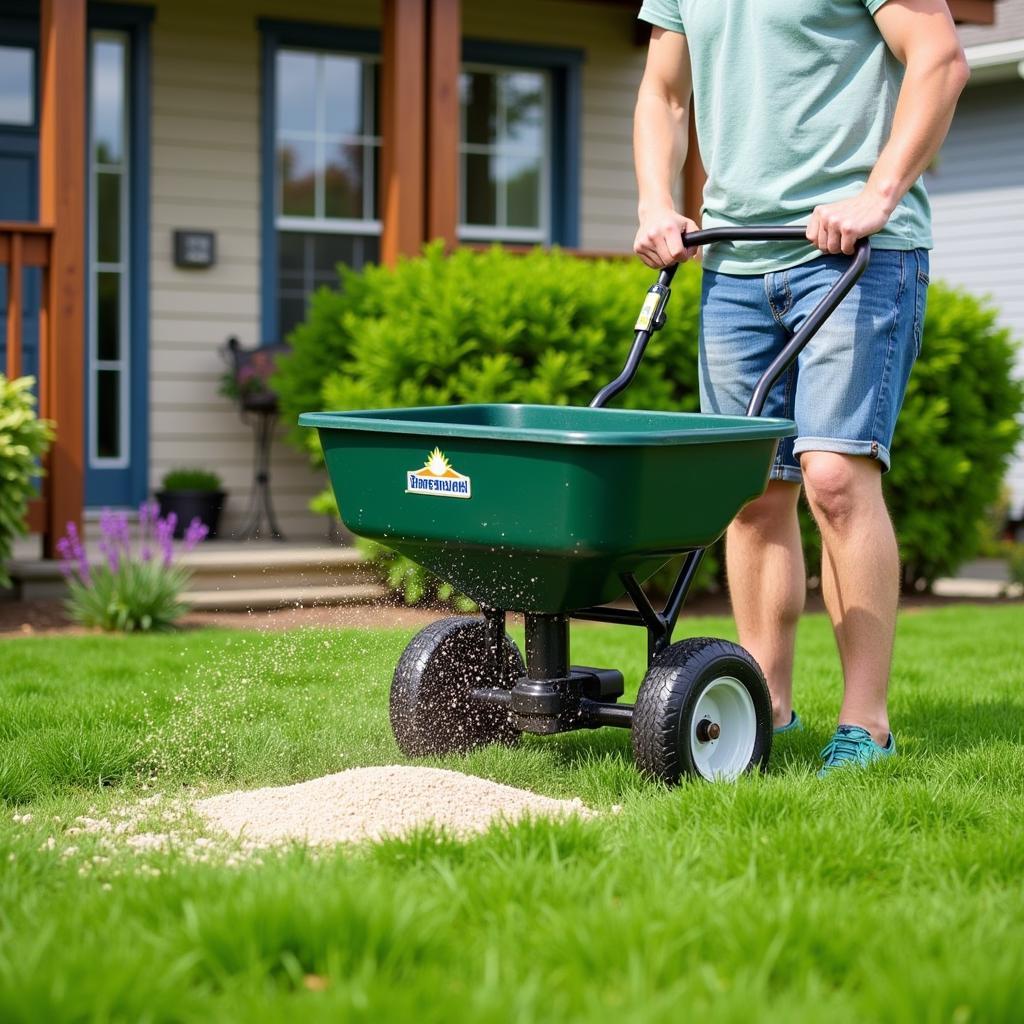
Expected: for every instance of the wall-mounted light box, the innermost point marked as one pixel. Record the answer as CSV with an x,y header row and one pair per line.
x,y
194,249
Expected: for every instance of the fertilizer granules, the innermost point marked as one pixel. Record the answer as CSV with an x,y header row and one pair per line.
x,y
374,803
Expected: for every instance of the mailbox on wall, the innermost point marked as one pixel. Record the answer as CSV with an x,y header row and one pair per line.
x,y
194,249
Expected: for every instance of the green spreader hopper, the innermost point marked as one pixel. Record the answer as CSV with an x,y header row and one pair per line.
x,y
555,512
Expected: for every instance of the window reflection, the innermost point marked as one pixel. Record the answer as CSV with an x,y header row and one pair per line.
x,y
17,85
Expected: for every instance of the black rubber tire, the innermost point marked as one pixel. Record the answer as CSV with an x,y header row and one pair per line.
x,y
431,710
670,690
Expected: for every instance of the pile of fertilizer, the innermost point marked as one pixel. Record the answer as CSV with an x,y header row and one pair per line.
x,y
376,803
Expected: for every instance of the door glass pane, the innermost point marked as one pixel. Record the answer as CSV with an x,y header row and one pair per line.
x,y
108,216
108,100
523,99
17,85
343,95
108,315
296,162
108,414
296,91
479,107
481,194
522,180
343,181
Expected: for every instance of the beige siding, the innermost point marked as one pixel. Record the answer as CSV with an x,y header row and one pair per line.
x,y
206,174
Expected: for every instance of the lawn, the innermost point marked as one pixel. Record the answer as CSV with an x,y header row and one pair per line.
x,y
891,895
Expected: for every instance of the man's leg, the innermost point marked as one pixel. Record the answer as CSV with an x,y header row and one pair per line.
x,y
767,584
860,579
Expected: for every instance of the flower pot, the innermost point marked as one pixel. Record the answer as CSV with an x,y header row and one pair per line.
x,y
188,505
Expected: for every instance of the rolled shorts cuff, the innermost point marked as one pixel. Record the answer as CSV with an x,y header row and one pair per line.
x,y
842,446
788,474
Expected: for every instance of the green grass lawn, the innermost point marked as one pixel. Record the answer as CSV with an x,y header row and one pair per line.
x,y
895,894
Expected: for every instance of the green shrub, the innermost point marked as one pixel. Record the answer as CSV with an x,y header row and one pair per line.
x,y
549,327
191,480
23,441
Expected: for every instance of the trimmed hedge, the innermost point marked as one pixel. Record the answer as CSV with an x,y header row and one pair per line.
x,y
551,328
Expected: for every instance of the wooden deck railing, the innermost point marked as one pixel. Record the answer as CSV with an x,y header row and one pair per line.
x,y
23,246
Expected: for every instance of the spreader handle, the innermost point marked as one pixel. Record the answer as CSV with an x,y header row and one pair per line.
x,y
652,315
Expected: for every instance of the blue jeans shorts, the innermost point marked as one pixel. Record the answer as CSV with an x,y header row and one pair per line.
x,y
847,386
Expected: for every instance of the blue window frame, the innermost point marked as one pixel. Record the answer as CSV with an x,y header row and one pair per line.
x,y
519,143
519,152
320,148
117,307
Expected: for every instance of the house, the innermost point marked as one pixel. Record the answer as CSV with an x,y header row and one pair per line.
x,y
176,172
977,185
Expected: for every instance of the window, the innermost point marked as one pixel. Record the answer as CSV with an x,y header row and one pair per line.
x,y
327,147
17,86
505,171
109,285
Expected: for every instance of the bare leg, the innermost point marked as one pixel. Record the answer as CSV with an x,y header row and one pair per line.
x,y
860,579
768,585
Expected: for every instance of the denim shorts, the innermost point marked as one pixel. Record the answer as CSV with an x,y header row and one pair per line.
x,y
847,386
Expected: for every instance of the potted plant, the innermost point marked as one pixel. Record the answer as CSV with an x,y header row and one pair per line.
x,y
192,494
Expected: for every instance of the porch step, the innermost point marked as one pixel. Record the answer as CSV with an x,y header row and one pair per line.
x,y
230,575
268,598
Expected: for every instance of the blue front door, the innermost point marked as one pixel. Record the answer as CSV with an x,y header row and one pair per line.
x,y
19,168
116,284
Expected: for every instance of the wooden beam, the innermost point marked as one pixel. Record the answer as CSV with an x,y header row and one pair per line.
x,y
973,12
403,126
444,55
35,243
62,61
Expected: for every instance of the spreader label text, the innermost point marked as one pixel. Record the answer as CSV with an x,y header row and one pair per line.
x,y
438,478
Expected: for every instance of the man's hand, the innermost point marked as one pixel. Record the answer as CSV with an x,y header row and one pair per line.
x,y
835,227
659,242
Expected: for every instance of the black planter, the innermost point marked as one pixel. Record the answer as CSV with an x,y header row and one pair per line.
x,y
187,505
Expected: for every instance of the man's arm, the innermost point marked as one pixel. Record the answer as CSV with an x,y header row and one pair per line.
x,y
921,35
659,148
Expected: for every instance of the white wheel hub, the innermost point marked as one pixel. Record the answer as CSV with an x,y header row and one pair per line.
x,y
723,729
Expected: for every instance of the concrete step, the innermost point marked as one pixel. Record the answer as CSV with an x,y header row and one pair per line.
x,y
222,567
264,599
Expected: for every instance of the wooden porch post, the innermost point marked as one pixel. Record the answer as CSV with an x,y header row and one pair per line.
x,y
403,127
444,55
62,143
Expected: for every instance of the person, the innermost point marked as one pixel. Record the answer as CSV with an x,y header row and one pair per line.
x,y
824,113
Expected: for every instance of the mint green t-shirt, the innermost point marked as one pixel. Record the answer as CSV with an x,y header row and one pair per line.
x,y
794,102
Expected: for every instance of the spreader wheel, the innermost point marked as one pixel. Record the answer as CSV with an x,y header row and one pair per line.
x,y
431,708
704,710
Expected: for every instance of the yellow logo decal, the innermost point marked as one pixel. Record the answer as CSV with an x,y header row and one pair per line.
x,y
438,478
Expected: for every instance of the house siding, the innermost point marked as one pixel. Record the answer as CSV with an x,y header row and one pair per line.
x,y
977,193
206,174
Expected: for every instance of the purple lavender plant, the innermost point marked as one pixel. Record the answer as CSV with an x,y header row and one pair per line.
x,y
129,589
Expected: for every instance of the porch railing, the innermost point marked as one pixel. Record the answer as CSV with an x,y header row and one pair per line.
x,y
23,246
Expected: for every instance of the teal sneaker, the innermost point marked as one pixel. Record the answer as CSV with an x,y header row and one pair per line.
x,y
852,745
793,725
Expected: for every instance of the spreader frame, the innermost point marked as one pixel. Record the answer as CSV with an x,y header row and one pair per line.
x,y
557,697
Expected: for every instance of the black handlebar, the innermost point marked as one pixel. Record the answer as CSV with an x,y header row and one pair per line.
x,y
652,315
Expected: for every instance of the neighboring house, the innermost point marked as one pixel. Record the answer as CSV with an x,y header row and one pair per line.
x,y
977,187
300,133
